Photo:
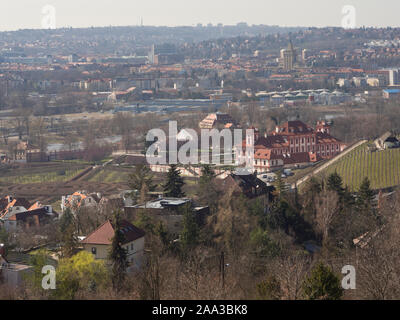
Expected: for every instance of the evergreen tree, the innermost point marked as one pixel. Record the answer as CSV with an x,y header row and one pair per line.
x,y
208,192
322,284
140,177
335,183
145,222
162,234
68,234
280,185
173,187
118,255
365,199
207,175
190,231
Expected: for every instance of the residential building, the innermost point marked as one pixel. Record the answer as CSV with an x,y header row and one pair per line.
x,y
391,93
99,242
17,212
12,274
169,211
80,199
248,185
218,121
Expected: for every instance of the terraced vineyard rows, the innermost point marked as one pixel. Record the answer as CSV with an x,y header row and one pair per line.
x,y
381,167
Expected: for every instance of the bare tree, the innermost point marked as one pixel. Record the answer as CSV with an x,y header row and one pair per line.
x,y
326,209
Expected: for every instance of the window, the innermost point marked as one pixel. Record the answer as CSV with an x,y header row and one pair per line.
x,y
94,250
131,246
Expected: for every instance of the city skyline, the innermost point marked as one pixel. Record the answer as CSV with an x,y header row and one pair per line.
x,y
308,13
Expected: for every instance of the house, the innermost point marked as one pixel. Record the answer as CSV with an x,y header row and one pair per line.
x,y
80,199
218,121
26,152
248,185
291,144
169,211
12,274
391,143
16,212
99,242
391,93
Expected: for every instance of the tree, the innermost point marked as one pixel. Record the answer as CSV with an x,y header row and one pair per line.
x,y
280,185
269,289
145,222
68,234
80,272
208,192
190,230
37,261
335,183
207,174
118,255
322,284
290,270
174,184
365,199
140,178
326,210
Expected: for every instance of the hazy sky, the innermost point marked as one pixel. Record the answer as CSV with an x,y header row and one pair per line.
x,y
20,14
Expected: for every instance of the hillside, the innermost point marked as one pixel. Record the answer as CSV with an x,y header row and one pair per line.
x,y
381,167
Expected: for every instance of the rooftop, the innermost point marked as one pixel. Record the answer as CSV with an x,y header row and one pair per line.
x,y
163,203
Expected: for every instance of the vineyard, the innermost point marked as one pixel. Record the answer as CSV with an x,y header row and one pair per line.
x,y
40,173
381,167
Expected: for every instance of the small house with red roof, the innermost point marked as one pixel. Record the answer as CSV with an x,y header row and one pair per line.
x,y
99,242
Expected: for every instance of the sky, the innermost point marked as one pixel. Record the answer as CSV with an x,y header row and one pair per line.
x,y
27,14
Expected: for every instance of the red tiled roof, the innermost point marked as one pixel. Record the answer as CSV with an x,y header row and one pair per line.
x,y
105,233
323,137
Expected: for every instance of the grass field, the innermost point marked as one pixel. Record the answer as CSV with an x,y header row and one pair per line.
x,y
40,173
381,167
109,175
